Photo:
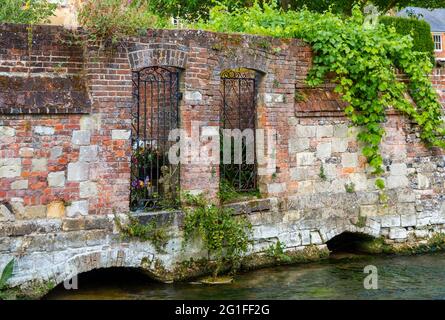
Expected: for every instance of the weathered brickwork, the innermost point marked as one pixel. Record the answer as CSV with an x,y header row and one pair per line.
x,y
65,150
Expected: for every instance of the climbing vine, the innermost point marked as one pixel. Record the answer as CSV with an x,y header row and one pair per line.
x,y
225,236
362,61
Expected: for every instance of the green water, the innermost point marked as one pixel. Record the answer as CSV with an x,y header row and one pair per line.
x,y
340,277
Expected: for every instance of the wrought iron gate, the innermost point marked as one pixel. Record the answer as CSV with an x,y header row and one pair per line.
x,y
154,181
239,112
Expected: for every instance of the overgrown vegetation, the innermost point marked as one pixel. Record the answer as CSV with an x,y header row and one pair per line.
x,y
108,21
151,232
225,236
5,276
363,61
26,11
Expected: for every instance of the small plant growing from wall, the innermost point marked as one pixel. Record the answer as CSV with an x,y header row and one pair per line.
x,y
350,187
151,232
322,174
225,236
276,252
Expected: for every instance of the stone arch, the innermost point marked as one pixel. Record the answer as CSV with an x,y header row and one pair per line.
x,y
168,56
243,57
119,257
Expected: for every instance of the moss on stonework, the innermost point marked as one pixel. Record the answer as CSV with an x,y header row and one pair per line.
x,y
32,291
310,253
380,245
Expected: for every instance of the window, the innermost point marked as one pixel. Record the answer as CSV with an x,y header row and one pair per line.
x,y
437,42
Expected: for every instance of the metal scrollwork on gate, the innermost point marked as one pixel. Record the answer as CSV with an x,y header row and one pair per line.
x,y
238,91
154,181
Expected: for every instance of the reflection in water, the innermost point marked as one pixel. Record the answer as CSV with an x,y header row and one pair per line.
x,y
341,277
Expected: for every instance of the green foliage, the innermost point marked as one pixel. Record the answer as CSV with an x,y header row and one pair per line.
x,y
346,6
227,193
225,236
419,30
276,252
26,11
363,60
322,174
350,187
108,21
380,184
150,232
5,276
191,10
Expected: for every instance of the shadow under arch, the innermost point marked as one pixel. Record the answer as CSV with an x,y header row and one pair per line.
x,y
350,242
111,282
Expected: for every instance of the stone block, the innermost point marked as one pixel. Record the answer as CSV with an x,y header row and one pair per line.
x,y
306,131
398,169
423,182
120,134
56,179
409,220
5,214
44,131
305,237
369,211
56,210
10,167
341,131
324,150
7,131
325,131
56,152
88,153
19,185
73,224
398,233
274,98
305,159
339,145
298,144
315,238
349,160
78,171
393,182
26,152
421,234
193,95
35,212
276,187
39,165
88,189
81,137
77,208
390,221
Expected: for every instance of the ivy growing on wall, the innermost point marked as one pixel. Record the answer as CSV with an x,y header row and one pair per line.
x,y
364,61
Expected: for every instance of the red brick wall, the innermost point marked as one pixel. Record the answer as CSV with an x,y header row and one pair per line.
x,y
75,144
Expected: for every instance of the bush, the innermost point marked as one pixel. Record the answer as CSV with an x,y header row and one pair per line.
x,y
419,30
26,11
107,21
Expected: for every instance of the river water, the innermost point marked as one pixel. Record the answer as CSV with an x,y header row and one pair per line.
x,y
340,277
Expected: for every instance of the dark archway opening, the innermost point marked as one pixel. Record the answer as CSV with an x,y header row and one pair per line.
x,y
110,283
349,242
